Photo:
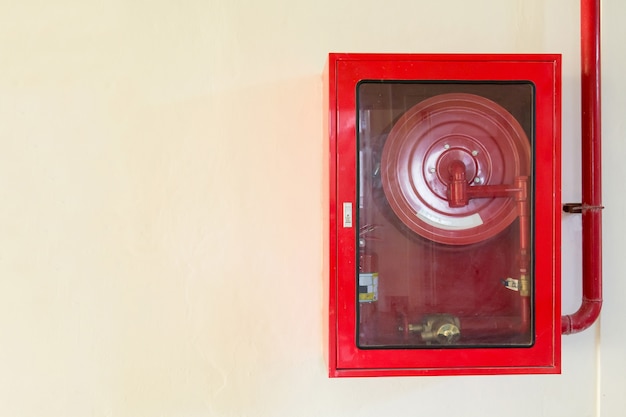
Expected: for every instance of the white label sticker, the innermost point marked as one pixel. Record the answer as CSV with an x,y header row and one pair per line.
x,y
368,287
511,284
444,222
347,214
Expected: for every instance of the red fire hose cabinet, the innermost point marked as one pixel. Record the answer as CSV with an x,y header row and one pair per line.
x,y
444,214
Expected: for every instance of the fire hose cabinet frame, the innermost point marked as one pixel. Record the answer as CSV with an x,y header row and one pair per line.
x,y
445,214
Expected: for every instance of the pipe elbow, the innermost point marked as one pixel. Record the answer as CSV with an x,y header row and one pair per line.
x,y
582,319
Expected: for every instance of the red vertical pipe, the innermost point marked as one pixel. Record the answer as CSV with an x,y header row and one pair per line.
x,y
591,173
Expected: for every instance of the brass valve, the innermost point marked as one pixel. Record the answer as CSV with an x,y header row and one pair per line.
x,y
443,329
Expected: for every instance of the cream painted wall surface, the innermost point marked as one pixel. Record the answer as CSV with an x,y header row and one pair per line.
x,y
162,225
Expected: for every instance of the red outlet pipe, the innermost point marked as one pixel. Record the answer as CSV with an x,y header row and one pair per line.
x,y
591,206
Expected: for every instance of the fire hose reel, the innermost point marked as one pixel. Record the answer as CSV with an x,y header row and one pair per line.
x,y
441,161
445,214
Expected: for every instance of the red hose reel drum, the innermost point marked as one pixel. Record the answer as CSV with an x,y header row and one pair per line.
x,y
416,164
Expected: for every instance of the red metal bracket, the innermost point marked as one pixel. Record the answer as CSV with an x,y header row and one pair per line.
x,y
591,206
